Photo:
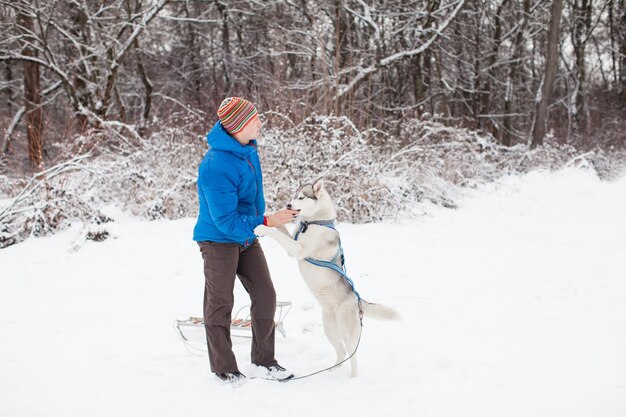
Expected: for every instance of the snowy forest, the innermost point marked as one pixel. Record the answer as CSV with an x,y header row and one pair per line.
x,y
394,102
475,153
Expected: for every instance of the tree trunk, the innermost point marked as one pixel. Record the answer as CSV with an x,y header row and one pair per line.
x,y
147,84
8,76
418,84
491,72
445,108
194,53
622,49
79,92
32,99
342,54
611,21
141,70
225,47
581,27
475,95
545,88
427,68
507,125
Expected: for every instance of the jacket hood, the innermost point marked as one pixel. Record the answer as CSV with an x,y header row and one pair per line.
x,y
220,139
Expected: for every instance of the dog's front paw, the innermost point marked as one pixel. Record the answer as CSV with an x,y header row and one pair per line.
x,y
262,230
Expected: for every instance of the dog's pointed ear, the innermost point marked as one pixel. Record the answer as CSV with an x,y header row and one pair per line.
x,y
318,186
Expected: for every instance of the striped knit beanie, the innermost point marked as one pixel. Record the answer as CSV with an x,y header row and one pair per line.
x,y
235,113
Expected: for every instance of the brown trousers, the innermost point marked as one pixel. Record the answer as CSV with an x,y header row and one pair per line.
x,y
222,262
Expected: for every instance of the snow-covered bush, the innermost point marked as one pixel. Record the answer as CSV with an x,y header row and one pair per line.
x,y
324,147
157,180
375,175
372,175
46,204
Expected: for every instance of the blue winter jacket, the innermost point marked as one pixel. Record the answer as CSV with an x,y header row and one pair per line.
x,y
230,190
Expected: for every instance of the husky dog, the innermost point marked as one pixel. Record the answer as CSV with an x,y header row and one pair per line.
x,y
315,238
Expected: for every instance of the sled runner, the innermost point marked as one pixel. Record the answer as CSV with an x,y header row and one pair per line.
x,y
241,320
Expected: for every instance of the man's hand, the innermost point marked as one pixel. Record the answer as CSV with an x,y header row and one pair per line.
x,y
281,218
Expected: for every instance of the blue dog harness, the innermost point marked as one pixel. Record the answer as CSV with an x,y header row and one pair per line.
x,y
337,264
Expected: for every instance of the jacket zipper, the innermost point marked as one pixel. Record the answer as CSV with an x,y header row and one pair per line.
x,y
253,170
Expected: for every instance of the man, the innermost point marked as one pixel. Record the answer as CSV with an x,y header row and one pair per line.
x,y
232,204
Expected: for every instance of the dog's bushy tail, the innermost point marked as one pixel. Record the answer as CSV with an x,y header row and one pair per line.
x,y
379,311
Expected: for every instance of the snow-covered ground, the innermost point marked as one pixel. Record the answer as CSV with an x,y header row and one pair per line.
x,y
512,305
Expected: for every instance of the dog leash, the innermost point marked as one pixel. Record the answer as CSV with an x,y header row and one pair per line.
x,y
343,361
294,378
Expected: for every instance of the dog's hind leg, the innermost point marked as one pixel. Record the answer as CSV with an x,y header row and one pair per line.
x,y
334,335
351,345
351,330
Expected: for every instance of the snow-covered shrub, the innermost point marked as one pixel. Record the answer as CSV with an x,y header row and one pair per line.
x,y
374,175
371,175
608,164
154,179
8,186
323,147
47,204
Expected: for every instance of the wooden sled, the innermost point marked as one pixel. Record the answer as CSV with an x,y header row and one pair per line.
x,y
241,320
